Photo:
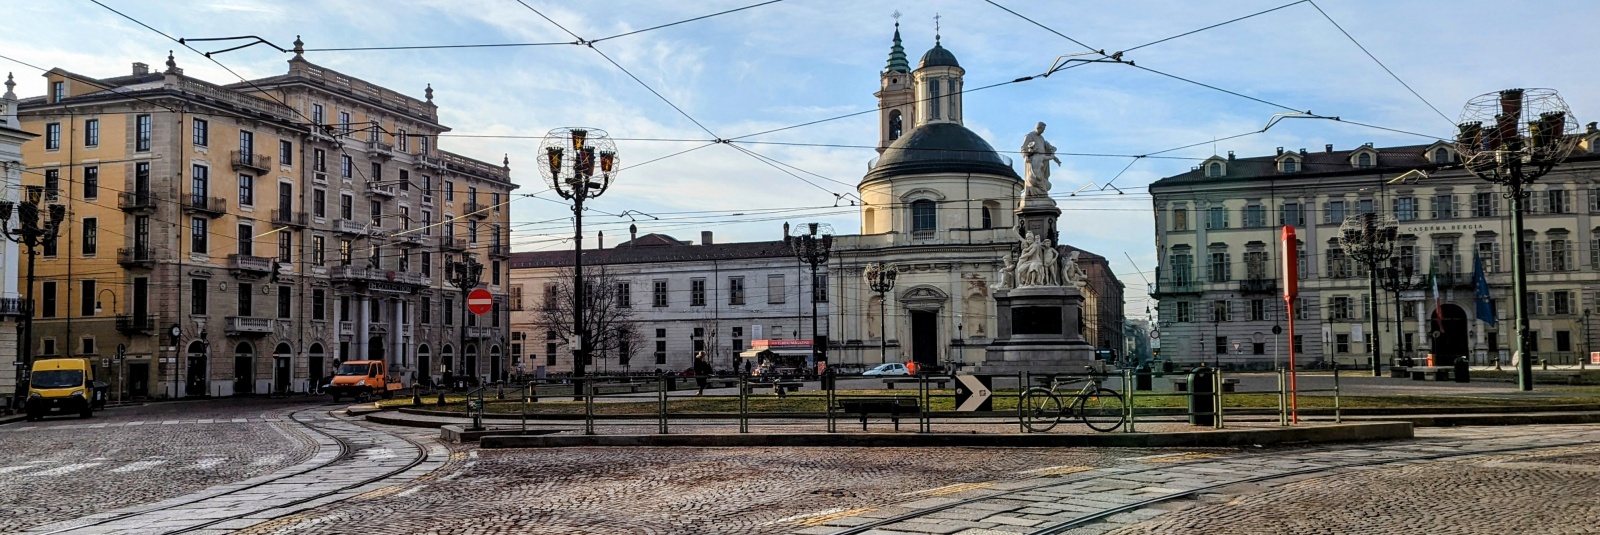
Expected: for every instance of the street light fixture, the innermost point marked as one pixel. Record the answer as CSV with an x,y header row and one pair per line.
x,y
465,275
32,233
1398,279
1528,133
880,278
1369,239
567,158
812,243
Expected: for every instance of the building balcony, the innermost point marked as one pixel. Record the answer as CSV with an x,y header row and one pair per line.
x,y
244,262
1178,287
137,202
346,226
245,161
424,162
211,206
386,190
477,210
13,306
479,333
290,218
247,325
413,238
379,149
347,328
136,257
1258,286
455,244
499,250
128,324
407,330
351,272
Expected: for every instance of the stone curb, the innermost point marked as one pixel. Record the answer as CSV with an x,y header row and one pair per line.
x,y
1455,420
1241,437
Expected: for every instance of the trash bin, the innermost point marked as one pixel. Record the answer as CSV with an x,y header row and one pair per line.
x,y
1463,373
1141,378
1166,366
1202,404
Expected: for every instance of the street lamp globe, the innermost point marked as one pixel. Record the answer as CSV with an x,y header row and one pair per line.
x,y
578,161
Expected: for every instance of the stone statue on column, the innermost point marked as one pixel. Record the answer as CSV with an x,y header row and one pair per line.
x,y
1037,153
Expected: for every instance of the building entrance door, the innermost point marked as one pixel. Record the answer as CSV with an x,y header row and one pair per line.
x,y
139,379
1450,336
925,337
280,374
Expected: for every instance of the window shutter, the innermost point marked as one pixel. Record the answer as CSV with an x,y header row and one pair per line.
x,y
1434,214
1326,217
1227,266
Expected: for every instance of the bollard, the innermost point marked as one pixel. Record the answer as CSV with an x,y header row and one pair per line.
x,y
588,407
1216,393
1283,398
1338,417
1463,371
533,393
661,405
744,407
416,396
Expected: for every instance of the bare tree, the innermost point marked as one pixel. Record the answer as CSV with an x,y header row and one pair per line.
x,y
708,327
608,314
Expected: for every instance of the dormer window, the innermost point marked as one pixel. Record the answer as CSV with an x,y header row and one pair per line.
x,y
1289,165
1441,155
58,90
1214,170
1364,160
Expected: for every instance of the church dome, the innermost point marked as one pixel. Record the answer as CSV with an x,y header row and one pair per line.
x,y
938,56
940,148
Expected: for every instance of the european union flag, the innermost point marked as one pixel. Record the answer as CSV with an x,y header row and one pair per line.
x,y
1481,297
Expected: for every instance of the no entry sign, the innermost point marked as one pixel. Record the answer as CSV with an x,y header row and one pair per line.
x,y
479,301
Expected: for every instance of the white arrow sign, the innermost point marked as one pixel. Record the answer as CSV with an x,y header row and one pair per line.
x,y
979,392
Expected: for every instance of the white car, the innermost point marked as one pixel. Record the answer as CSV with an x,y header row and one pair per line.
x,y
891,368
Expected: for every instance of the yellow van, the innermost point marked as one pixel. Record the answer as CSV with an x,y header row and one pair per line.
x,y
63,386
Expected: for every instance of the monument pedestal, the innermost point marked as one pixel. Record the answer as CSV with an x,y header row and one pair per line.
x,y
1040,331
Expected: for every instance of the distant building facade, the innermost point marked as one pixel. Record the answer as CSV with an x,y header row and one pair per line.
x,y
1218,283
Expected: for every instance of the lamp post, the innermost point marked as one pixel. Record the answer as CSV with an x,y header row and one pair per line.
x,y
568,157
1369,239
1397,279
880,278
32,233
465,275
121,348
1529,132
813,243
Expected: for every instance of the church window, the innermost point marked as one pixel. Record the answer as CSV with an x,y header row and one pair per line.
x,y
923,216
933,99
896,125
988,220
954,114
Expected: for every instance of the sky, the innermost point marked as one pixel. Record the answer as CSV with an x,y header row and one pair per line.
x,y
665,91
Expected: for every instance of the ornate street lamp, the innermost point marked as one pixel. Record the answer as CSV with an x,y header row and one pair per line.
x,y
880,278
1397,279
1369,239
32,233
567,159
812,243
465,274
1512,138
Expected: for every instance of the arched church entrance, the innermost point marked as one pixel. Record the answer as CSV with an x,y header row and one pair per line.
x,y
1450,336
925,337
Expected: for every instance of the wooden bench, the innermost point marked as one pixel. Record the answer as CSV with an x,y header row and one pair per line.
x,y
891,407
780,387
1182,385
891,381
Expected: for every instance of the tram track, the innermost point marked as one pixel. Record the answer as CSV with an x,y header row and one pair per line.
x,y
348,453
1089,476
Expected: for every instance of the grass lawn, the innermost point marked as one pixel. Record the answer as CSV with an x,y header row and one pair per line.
x,y
1005,400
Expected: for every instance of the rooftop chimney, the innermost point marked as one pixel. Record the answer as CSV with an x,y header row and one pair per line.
x,y
1230,155
600,240
633,234
140,68
1328,148
1280,151
1590,129
1302,151
705,237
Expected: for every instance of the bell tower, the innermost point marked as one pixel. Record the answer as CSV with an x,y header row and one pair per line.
x,y
896,100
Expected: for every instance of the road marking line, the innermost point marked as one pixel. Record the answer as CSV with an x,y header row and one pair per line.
x,y
10,469
62,470
209,463
1057,470
137,466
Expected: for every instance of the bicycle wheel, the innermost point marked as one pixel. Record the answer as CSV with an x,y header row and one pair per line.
x,y
1041,409
1102,410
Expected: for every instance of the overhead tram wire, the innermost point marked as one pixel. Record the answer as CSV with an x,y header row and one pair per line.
x,y
1380,64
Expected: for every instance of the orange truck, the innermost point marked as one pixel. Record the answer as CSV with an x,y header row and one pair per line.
x,y
363,380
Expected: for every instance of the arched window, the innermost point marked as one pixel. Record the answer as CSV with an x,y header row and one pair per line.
x,y
924,216
447,357
1290,165
896,125
991,210
1364,160
1441,155
933,98
1214,170
988,220
869,221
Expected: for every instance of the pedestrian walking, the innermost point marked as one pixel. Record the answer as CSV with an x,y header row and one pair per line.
x,y
702,370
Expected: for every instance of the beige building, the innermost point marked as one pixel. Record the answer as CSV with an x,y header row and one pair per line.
x,y
277,225
1217,235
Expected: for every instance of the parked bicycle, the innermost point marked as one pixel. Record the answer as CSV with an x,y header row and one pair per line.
x,y
1101,408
